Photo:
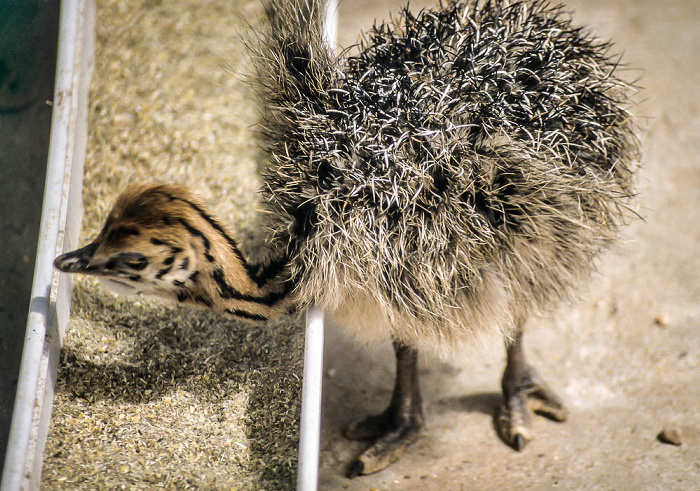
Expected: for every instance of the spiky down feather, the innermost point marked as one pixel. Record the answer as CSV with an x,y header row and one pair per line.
x,y
459,172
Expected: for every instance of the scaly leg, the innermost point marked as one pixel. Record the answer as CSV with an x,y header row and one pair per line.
x,y
398,426
524,391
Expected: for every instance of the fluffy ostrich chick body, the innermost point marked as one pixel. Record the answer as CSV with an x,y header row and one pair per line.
x,y
458,174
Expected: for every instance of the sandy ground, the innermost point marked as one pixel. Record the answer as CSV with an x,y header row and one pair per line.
x,y
626,359
155,396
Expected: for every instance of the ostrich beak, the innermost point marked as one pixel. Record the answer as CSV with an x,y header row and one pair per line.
x,y
77,261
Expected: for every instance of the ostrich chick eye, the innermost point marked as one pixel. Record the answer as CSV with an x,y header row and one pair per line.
x,y
134,260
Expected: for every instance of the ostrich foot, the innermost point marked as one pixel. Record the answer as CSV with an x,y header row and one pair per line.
x,y
391,435
521,396
398,426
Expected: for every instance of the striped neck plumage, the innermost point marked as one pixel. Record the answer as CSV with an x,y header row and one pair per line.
x,y
160,240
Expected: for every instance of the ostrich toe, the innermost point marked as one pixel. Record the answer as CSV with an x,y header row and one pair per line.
x,y
390,437
525,395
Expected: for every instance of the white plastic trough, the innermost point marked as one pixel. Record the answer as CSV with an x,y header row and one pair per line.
x,y
60,222
51,292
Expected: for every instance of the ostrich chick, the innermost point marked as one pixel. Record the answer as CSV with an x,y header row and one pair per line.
x,y
456,174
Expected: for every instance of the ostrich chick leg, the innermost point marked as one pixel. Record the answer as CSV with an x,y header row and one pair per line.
x,y
524,391
398,426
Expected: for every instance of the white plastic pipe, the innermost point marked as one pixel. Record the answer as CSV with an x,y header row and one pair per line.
x,y
50,295
310,432
330,24
311,392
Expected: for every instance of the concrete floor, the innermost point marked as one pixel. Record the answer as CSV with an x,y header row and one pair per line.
x,y
626,359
